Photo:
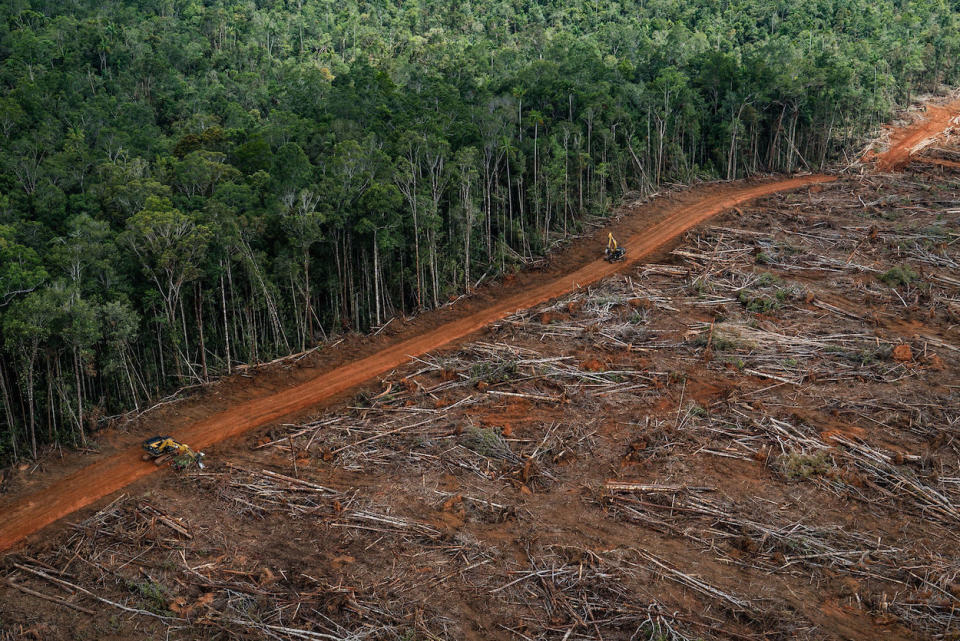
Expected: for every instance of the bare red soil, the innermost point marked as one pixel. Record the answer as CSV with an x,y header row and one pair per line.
x,y
910,140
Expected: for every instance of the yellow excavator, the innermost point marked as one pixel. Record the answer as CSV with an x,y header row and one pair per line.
x,y
166,448
613,252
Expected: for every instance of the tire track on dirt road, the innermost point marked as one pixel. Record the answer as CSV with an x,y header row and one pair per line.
x,y
91,483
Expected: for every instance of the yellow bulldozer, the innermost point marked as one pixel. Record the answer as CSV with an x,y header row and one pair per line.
x,y
162,449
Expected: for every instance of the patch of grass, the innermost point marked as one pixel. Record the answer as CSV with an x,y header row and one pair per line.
x,y
882,353
736,362
487,441
721,344
184,461
701,288
767,279
862,357
718,344
697,410
803,465
758,304
493,372
763,258
899,275
937,234
153,596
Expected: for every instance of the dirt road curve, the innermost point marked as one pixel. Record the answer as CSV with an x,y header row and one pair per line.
x,y
98,480
913,139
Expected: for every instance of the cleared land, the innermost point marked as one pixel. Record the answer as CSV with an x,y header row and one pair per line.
x,y
756,439
906,142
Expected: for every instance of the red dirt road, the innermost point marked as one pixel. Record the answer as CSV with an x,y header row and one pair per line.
x,y
89,484
910,140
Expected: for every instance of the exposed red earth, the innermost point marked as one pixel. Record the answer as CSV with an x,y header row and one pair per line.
x,y
912,139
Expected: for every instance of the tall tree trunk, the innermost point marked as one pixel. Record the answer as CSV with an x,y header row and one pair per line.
x,y
76,371
186,342
299,317
226,326
8,412
566,176
160,352
203,346
434,281
308,308
32,417
51,417
376,277
133,390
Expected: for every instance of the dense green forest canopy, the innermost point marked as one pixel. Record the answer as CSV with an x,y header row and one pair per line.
x,y
190,184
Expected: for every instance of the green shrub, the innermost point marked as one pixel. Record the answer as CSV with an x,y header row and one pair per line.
x,y
758,304
697,410
766,279
153,595
717,344
489,442
899,275
493,372
802,465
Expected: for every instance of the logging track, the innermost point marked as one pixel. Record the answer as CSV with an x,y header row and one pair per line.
x,y
911,140
23,516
